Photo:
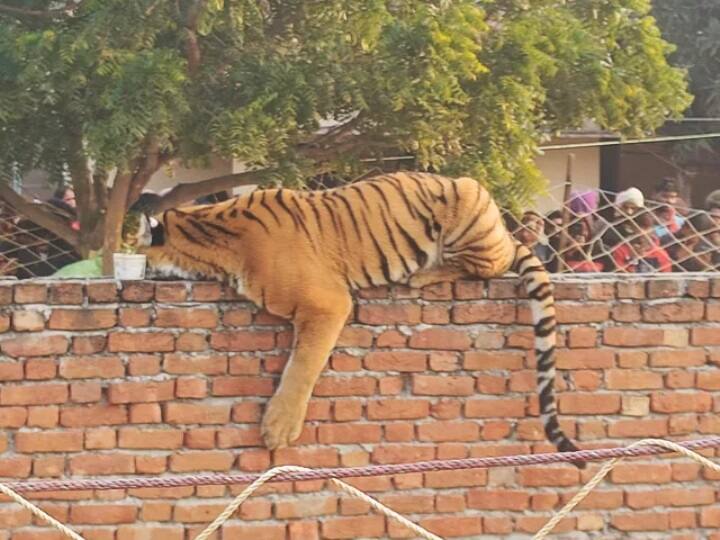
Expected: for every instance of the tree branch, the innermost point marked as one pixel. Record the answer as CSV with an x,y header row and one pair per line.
x,y
192,45
68,10
114,218
189,191
39,214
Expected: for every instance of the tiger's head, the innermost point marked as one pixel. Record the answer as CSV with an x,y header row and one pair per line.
x,y
178,244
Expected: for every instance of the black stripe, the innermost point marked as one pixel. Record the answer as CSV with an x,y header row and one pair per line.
x,y
420,256
519,262
394,182
200,228
382,196
220,228
455,190
442,197
253,217
384,266
267,207
368,277
473,221
233,213
361,195
189,237
350,212
316,212
251,198
281,202
394,243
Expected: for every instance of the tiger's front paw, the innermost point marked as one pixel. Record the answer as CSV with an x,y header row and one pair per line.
x,y
282,423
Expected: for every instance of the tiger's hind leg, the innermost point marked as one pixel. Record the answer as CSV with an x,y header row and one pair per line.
x,y
317,327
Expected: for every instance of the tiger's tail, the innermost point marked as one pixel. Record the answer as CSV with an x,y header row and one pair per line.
x,y
539,290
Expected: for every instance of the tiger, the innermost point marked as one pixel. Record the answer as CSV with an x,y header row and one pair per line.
x,y
301,254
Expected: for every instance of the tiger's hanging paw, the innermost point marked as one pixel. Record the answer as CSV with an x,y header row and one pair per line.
x,y
282,423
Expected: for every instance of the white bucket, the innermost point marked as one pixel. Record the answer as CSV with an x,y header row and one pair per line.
x,y
129,265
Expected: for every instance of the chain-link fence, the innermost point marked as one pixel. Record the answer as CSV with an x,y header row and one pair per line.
x,y
28,250
591,231
596,231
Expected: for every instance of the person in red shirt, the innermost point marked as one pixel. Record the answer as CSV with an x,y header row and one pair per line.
x,y
642,253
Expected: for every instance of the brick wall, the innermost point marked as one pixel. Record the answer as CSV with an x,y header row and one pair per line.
x,y
168,377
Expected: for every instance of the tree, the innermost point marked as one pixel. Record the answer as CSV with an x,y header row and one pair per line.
x,y
694,27
114,89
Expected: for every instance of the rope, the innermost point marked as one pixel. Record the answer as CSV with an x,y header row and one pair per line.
x,y
587,488
39,513
353,472
269,475
643,447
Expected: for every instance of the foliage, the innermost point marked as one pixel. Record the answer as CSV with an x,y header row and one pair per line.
x,y
694,27
467,86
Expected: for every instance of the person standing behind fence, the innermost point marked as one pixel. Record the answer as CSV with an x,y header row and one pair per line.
x,y
615,231
691,250
668,219
641,252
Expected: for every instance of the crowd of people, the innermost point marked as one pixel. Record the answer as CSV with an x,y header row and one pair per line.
x,y
627,233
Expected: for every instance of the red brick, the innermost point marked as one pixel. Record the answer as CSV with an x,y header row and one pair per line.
x,y
341,386
102,464
637,521
48,441
355,337
440,338
632,337
581,337
628,379
103,514
469,290
141,392
639,428
13,417
28,321
143,438
675,311
485,499
45,417
397,409
65,293
449,431
191,388
34,394
35,345
30,293
85,392
140,342
675,402
549,476
90,367
349,433
303,530
88,344
137,291
372,526
435,314
94,415
396,361
134,317
191,342
495,408
485,312
585,359
306,507
243,340
391,338
143,364
705,336
493,360
178,317
201,461
432,385
677,358
379,314
242,386
101,292
592,403
192,413
567,313
647,473
82,319
40,368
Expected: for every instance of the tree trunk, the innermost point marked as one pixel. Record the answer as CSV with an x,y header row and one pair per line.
x,y
114,219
